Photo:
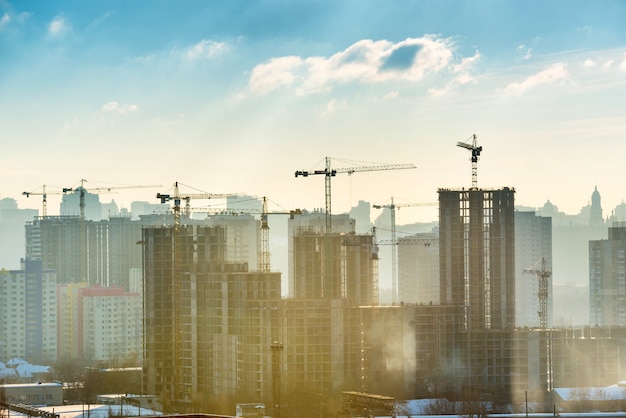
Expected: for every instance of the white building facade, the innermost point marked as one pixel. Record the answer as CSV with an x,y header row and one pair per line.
x,y
28,321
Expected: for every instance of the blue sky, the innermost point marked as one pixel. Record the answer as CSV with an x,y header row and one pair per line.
x,y
235,96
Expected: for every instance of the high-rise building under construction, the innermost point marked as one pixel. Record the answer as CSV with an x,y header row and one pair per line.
x,y
477,255
208,324
341,265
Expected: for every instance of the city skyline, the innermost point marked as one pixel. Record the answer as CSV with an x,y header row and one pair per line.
x,y
235,97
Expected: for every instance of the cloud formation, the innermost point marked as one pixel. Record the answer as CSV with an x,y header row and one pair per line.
x,y
58,26
204,49
553,73
365,61
4,20
622,66
115,107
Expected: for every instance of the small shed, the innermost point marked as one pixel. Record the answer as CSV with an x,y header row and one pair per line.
x,y
605,399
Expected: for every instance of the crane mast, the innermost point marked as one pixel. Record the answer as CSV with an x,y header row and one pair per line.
x,y
264,254
44,193
82,190
177,197
543,277
476,150
330,172
394,242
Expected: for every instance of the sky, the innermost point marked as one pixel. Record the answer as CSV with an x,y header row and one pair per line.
x,y
235,96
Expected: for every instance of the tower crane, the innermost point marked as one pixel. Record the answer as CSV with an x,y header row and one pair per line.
x,y
330,172
263,260
475,149
81,189
177,197
264,254
394,257
44,193
82,224
543,275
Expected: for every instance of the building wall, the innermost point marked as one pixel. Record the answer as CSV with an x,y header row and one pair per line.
x,y
311,223
208,323
418,269
242,237
322,345
335,267
49,394
110,322
607,278
477,258
533,242
98,323
96,252
28,320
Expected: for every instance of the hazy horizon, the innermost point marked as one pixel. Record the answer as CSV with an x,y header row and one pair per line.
x,y
234,97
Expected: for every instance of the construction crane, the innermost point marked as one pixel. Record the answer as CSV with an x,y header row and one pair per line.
x,y
81,189
177,197
263,258
543,277
264,254
475,149
394,257
330,172
44,193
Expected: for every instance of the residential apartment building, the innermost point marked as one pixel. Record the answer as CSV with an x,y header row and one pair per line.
x,y
97,252
28,320
418,268
607,278
533,274
110,321
99,323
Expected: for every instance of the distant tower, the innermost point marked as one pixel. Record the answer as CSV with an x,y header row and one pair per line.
x,y
595,215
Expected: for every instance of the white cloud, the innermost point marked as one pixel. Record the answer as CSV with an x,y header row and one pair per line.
x,y
391,95
365,61
589,63
115,107
548,76
608,64
204,49
58,26
462,77
4,20
333,106
276,73
525,52
622,66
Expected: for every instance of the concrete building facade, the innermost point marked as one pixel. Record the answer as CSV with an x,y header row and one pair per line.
x,y
418,268
208,323
98,323
607,278
477,255
28,320
110,322
533,252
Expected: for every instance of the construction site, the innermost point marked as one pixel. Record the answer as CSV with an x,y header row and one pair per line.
x,y
218,329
